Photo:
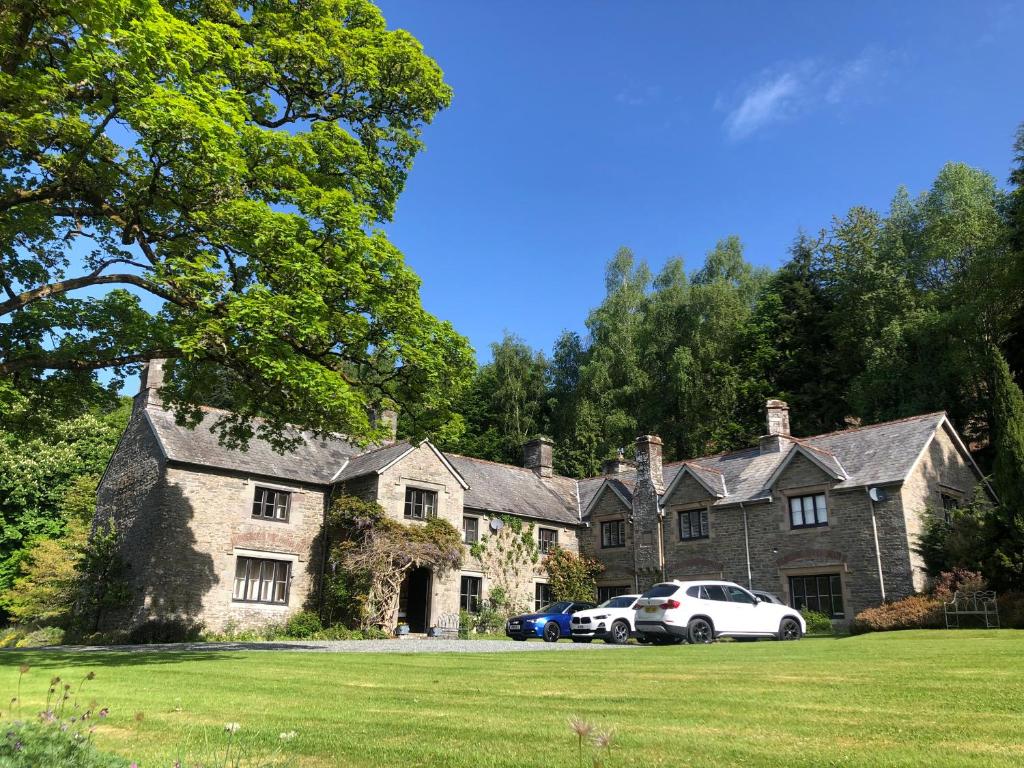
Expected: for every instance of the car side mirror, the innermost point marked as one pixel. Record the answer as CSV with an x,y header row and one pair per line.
x,y
756,599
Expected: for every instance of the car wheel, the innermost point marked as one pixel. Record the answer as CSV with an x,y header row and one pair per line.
x,y
643,639
552,632
582,639
619,633
789,629
700,631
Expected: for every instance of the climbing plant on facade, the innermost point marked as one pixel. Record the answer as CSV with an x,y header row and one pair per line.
x,y
507,557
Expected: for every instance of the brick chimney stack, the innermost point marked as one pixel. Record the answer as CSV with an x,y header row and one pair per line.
x,y
616,466
777,414
538,455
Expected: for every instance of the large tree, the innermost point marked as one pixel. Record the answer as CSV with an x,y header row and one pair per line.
x,y
205,182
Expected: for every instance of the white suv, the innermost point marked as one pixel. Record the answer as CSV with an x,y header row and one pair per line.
x,y
700,611
611,621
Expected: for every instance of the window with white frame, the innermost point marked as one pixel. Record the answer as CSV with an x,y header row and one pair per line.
x,y
420,504
260,580
808,511
613,534
693,524
271,504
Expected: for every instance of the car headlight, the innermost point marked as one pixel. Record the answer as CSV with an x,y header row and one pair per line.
x,y
602,616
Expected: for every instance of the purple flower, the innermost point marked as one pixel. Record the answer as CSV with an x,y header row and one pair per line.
x,y
104,712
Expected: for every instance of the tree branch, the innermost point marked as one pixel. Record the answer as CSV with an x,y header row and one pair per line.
x,y
74,283
55,361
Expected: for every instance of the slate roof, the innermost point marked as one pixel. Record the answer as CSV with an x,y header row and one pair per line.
x,y
506,489
878,454
372,461
315,461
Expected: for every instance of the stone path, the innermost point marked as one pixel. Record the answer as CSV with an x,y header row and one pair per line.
x,y
415,645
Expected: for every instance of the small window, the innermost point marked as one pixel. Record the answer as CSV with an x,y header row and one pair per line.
x,y
949,504
469,593
739,595
693,524
808,511
547,539
693,591
470,529
822,593
271,504
613,534
261,581
607,593
541,596
661,590
420,504
714,592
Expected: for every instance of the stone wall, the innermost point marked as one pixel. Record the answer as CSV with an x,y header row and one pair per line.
x,y
940,470
617,561
183,528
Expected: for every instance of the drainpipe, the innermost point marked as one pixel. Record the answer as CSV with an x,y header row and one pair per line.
x,y
661,542
746,544
872,494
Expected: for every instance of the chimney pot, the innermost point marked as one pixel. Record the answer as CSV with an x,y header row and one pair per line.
x,y
616,466
538,456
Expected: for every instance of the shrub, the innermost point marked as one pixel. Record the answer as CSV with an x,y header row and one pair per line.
x,y
915,612
466,621
1011,610
303,625
817,623
26,637
165,631
30,745
344,633
949,582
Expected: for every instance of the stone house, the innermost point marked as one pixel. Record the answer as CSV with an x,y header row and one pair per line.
x,y
234,538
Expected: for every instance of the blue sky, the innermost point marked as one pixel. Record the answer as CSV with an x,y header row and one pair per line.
x,y
664,126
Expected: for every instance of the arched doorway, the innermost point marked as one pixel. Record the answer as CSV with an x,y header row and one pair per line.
x,y
414,600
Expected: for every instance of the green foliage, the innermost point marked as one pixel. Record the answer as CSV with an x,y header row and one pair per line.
x,y
44,592
506,557
572,576
102,583
303,624
235,164
961,542
817,623
30,745
26,637
1008,476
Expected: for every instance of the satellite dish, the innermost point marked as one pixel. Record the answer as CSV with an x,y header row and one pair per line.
x,y
877,494
497,524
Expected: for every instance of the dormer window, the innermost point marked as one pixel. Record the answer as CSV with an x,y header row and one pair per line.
x,y
809,511
420,504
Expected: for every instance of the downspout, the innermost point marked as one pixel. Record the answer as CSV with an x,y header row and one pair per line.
x,y
878,550
746,545
661,542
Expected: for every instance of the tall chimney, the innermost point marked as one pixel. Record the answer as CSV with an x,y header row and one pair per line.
x,y
777,413
648,552
389,420
151,379
538,456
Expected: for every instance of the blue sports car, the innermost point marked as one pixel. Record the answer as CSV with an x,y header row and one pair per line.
x,y
550,622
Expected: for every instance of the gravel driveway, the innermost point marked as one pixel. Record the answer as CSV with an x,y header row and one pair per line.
x,y
413,645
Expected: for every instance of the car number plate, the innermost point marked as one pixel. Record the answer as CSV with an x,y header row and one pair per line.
x,y
651,608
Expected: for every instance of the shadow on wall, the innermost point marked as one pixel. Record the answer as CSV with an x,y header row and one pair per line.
x,y
169,575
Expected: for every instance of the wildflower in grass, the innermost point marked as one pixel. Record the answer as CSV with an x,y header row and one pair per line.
x,y
22,671
287,735
103,712
232,727
582,729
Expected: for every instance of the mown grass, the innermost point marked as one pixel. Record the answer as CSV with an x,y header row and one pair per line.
x,y
909,698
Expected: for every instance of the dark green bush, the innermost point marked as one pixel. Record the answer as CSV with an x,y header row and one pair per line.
x,y
1011,610
165,631
303,625
817,623
35,745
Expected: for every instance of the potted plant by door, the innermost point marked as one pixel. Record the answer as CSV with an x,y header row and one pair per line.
x,y
402,629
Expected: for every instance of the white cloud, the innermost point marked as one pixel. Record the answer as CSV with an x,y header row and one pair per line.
x,y
787,92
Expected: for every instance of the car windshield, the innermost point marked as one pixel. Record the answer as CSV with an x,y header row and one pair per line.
x,y
661,590
555,607
617,602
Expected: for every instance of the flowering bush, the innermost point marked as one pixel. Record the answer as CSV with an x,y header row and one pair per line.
x,y
31,745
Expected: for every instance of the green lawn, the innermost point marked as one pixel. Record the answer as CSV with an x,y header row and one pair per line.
x,y
909,698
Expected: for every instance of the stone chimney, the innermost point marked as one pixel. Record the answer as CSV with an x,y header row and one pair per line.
x,y
648,553
389,420
777,413
538,456
151,379
616,466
